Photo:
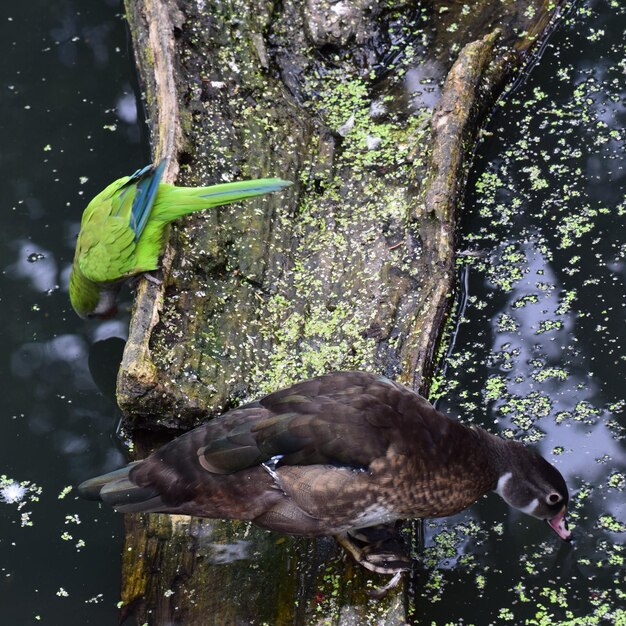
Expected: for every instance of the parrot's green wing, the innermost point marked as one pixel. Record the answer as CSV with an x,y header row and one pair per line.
x,y
107,250
112,224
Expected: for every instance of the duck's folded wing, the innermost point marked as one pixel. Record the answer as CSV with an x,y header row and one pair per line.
x,y
346,419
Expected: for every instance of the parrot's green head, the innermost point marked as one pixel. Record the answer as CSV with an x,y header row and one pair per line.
x,y
88,300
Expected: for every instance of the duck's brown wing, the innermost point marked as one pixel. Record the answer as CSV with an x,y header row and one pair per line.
x,y
345,419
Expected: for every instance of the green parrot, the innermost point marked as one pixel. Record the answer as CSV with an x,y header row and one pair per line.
x,y
122,231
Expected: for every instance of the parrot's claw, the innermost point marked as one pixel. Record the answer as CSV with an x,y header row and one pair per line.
x,y
153,279
134,281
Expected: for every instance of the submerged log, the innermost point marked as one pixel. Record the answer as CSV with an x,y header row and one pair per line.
x,y
372,109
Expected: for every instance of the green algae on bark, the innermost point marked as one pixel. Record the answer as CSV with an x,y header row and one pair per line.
x,y
351,268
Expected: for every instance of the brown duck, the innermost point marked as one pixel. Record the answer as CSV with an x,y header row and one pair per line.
x,y
336,455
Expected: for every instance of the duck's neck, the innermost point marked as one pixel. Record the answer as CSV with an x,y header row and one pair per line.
x,y
496,456
493,451
468,466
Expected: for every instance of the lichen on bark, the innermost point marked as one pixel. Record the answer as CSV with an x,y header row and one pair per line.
x,y
371,108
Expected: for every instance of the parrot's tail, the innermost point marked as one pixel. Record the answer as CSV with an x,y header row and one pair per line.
x,y
173,202
116,489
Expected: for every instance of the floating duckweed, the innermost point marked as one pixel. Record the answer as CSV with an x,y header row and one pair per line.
x,y
534,404
608,522
567,299
546,326
506,323
495,387
617,480
506,614
550,372
511,268
64,492
586,412
530,298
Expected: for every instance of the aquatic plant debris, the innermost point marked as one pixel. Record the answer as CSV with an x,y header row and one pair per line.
x,y
20,493
12,492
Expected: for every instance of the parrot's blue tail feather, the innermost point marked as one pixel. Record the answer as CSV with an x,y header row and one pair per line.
x,y
174,202
147,185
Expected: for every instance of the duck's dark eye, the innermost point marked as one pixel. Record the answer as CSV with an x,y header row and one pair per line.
x,y
554,497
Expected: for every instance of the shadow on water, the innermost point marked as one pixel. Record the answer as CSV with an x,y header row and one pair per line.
x,y
68,125
538,350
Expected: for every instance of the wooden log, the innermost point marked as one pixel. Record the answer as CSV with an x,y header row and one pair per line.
x,y
372,109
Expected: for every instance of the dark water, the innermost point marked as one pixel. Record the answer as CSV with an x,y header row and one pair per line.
x,y
539,350
68,126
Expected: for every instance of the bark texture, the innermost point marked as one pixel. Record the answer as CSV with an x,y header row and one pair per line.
x,y
372,109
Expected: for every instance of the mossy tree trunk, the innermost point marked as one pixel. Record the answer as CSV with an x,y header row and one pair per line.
x,y
372,109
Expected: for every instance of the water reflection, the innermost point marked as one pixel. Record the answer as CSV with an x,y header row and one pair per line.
x,y
127,108
65,75
104,357
37,264
422,84
71,30
51,361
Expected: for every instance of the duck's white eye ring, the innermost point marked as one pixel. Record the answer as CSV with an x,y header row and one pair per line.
x,y
554,498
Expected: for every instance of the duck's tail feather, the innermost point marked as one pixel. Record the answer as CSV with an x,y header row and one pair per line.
x,y
116,489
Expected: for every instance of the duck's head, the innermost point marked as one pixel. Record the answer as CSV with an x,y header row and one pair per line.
x,y
529,483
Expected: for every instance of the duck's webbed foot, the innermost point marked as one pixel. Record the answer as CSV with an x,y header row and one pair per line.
x,y
377,548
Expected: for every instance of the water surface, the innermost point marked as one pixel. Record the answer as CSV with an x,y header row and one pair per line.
x,y
68,126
